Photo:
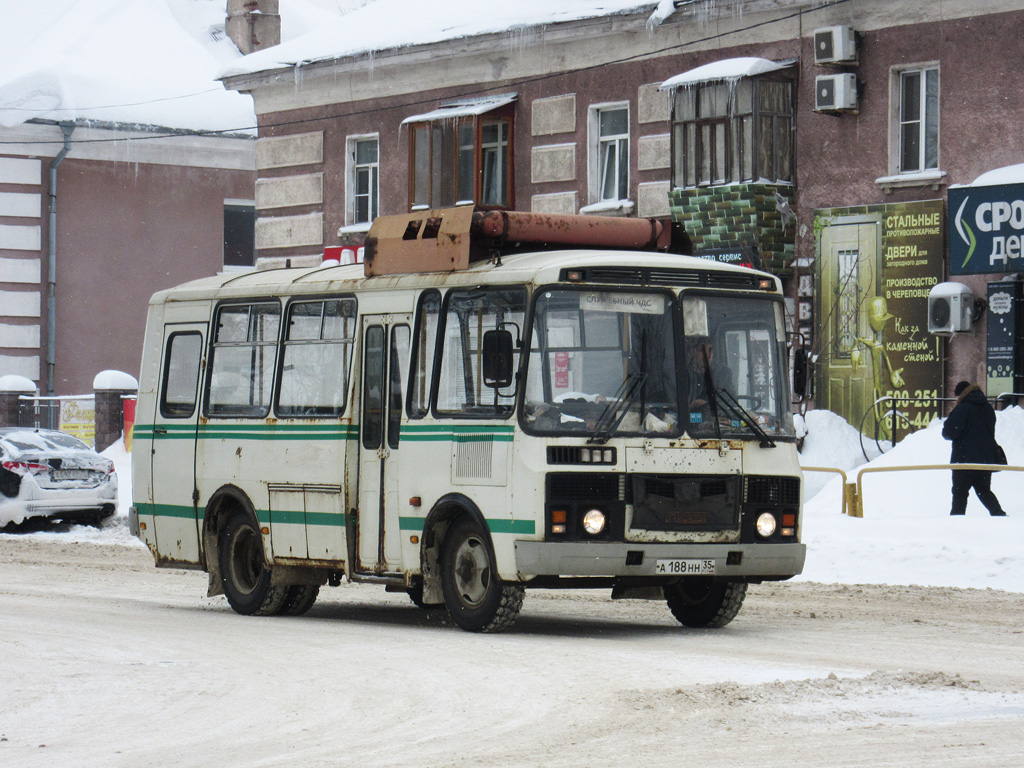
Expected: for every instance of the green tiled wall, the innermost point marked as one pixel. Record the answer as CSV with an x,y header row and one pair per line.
x,y
739,214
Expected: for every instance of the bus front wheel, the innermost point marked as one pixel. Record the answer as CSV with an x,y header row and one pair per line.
x,y
703,602
476,597
243,569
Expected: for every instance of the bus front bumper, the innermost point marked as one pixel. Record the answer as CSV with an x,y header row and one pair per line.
x,y
741,561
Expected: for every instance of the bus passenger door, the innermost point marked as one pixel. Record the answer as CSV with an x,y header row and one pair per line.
x,y
385,367
175,421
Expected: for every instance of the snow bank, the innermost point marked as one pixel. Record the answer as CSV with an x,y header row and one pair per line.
x,y
906,535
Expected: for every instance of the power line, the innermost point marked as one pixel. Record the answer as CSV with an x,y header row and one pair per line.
x,y
480,91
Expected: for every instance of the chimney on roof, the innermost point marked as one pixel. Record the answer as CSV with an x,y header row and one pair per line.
x,y
253,24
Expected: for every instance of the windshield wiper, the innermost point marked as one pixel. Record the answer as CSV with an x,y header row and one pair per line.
x,y
617,408
732,406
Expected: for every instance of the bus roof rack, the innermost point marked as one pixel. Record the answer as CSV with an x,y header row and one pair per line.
x,y
450,239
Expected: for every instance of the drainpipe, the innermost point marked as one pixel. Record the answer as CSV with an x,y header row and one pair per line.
x,y
51,264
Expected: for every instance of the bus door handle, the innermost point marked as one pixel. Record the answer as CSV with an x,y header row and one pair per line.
x,y
159,430
383,453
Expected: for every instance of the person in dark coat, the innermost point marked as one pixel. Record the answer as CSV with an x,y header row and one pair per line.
x,y
972,428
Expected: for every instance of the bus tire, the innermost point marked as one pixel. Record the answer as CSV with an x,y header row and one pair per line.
x,y
704,602
243,569
476,598
300,598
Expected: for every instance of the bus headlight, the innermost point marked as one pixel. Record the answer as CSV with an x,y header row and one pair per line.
x,y
594,521
766,524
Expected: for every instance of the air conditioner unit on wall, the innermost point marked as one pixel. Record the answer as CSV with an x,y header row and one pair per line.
x,y
833,93
835,45
950,309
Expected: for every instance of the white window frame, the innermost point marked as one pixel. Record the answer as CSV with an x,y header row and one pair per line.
x,y
596,143
897,120
351,171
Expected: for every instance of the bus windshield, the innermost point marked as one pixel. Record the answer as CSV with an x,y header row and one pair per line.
x,y
602,362
735,364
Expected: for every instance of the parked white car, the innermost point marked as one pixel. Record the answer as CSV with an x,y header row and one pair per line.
x,y
47,473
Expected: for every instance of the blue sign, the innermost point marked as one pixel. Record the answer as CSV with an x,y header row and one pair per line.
x,y
986,229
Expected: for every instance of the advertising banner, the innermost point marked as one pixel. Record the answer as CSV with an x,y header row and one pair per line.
x,y
874,270
1001,330
912,251
986,225
78,418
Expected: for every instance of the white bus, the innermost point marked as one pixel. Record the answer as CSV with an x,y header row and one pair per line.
x,y
463,428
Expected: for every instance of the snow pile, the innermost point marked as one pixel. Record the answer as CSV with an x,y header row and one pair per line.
x,y
830,442
906,535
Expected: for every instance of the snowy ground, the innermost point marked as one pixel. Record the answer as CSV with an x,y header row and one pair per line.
x,y
107,661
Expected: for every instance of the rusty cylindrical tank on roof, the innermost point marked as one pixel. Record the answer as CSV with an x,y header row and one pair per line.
x,y
597,231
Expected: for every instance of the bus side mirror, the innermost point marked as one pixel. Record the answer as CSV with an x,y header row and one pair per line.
x,y
800,372
498,347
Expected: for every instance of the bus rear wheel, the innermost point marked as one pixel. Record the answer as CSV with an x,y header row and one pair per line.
x,y
476,597
243,569
704,602
300,598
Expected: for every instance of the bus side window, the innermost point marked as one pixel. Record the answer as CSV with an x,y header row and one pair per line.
x,y
181,375
423,354
316,358
461,391
242,360
398,377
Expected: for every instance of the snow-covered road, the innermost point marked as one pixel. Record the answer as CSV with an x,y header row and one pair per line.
x,y
106,661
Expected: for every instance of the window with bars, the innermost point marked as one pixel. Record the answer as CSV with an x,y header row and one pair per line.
x,y
847,318
733,132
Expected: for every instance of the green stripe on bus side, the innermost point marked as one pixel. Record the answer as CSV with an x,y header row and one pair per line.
x,y
289,517
333,432
168,510
526,527
413,428
247,431
292,517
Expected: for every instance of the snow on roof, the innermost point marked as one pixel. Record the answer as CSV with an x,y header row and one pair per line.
x,y
388,24
147,62
726,69
1011,174
463,108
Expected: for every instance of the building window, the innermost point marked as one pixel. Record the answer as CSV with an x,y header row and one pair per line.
x,y
363,183
239,234
610,153
723,133
461,154
918,119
